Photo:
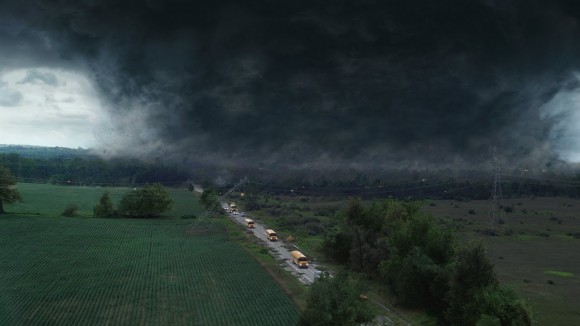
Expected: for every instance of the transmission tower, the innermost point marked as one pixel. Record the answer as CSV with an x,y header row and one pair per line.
x,y
497,216
217,202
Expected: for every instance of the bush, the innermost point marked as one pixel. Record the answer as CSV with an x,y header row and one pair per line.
x,y
105,207
71,210
150,201
336,301
471,211
509,232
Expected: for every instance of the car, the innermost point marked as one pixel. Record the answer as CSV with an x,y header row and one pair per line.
x,y
243,214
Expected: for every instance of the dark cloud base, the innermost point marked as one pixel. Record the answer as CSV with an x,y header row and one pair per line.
x,y
315,83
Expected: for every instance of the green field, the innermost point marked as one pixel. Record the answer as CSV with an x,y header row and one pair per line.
x,y
533,251
51,200
88,271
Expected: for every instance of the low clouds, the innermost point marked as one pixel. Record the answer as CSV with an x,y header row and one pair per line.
x,y
8,96
345,83
37,77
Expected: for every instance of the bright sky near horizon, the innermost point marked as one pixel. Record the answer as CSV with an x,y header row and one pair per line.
x,y
48,107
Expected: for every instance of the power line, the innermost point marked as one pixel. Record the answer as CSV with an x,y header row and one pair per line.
x,y
496,195
218,202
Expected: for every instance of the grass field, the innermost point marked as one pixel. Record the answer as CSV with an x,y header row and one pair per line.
x,y
87,271
51,200
534,252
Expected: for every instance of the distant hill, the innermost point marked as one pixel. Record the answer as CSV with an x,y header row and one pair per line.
x,y
44,152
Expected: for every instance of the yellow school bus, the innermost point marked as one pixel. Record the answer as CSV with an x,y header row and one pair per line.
x,y
271,235
299,259
249,223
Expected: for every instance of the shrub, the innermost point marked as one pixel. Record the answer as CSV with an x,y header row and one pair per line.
x,y
71,210
509,232
471,211
105,207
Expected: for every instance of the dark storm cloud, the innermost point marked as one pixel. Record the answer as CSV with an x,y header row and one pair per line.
x,y
316,82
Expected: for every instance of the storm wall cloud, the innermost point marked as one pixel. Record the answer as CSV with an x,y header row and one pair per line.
x,y
315,82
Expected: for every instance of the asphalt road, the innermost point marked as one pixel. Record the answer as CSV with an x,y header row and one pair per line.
x,y
282,250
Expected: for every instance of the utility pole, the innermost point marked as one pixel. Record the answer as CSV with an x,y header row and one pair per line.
x,y
496,195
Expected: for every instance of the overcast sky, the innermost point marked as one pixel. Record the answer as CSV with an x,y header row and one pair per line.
x,y
49,107
300,83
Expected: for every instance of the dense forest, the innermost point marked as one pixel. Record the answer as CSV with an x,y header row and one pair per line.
x,y
91,170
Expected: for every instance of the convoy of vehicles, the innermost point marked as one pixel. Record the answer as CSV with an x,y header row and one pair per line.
x,y
299,259
271,235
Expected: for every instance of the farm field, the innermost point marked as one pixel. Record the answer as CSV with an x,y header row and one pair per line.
x,y
75,271
51,200
87,271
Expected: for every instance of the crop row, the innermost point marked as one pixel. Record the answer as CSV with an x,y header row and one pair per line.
x,y
131,272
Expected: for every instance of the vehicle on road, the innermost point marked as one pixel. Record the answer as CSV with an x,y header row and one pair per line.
x,y
271,235
249,223
243,214
233,207
299,259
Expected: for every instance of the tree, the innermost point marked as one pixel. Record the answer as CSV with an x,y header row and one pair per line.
x,y
473,272
209,197
336,301
503,304
105,206
150,201
8,192
417,280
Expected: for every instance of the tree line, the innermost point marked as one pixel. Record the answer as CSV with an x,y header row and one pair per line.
x,y
91,170
148,201
421,263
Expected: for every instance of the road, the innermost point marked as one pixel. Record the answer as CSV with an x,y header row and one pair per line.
x,y
305,275
282,250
